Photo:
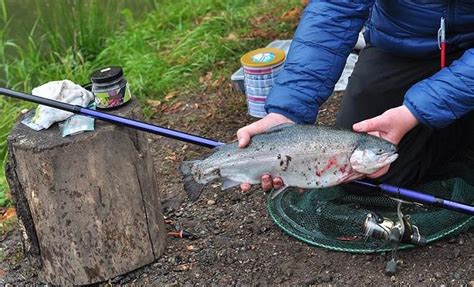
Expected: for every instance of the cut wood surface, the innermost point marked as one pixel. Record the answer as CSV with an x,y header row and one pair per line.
x,y
88,203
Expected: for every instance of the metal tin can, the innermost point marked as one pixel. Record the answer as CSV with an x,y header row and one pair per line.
x,y
110,87
260,67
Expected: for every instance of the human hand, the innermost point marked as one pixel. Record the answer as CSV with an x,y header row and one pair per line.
x,y
244,136
392,125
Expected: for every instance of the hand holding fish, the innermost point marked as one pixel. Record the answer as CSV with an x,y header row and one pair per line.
x,y
392,125
271,120
244,136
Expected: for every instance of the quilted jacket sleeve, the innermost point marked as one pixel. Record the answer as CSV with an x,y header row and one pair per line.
x,y
446,96
327,32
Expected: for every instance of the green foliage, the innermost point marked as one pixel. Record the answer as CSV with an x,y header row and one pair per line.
x,y
166,49
81,25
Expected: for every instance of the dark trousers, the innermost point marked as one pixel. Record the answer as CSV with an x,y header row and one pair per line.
x,y
379,82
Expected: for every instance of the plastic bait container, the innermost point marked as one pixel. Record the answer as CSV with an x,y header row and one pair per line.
x,y
110,88
260,68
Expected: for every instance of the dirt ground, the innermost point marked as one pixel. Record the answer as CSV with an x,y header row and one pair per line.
x,y
237,242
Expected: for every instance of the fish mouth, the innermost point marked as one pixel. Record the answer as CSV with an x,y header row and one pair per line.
x,y
361,161
388,158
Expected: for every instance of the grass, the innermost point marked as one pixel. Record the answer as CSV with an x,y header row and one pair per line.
x,y
168,49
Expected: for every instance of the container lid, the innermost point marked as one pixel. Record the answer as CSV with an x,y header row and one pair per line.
x,y
107,74
264,57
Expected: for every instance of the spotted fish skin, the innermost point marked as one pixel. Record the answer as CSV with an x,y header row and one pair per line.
x,y
304,156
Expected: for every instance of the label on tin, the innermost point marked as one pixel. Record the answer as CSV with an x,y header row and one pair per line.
x,y
266,57
113,98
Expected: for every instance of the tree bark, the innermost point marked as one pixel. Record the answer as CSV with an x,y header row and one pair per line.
x,y
88,203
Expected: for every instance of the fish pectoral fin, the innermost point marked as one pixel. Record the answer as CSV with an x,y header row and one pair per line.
x,y
229,183
279,127
278,191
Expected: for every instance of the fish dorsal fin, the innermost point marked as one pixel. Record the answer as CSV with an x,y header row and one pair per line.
x,y
279,127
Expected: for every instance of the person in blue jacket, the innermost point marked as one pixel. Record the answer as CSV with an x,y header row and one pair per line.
x,y
398,89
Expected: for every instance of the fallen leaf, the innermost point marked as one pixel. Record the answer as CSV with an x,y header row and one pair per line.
x,y
153,103
171,95
172,157
291,15
261,34
9,213
208,17
175,107
262,19
216,83
206,78
2,273
232,37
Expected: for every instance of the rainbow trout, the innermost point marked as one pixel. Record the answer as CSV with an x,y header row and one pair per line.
x,y
304,156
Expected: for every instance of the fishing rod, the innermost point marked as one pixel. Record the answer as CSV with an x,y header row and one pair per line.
x,y
390,190
419,197
146,127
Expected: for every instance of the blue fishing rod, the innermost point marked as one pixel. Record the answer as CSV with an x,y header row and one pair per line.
x,y
170,133
390,190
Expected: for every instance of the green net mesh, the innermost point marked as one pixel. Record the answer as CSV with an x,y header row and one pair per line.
x,y
333,218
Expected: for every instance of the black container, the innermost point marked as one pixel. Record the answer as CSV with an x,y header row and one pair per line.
x,y
110,88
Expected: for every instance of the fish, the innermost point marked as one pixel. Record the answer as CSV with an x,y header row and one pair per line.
x,y
303,155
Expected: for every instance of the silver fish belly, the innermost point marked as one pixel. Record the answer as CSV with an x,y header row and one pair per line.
x,y
311,170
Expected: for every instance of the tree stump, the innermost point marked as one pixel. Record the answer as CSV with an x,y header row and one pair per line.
x,y
88,203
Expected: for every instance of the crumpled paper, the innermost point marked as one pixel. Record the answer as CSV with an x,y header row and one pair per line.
x,y
63,91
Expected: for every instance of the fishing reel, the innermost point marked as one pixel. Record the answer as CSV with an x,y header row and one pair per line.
x,y
378,227
393,233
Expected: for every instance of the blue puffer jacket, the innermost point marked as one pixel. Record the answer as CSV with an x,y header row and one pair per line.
x,y
329,29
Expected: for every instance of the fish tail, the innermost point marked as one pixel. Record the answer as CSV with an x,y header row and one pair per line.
x,y
193,189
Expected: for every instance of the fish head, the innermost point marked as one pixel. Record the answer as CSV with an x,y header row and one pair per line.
x,y
372,153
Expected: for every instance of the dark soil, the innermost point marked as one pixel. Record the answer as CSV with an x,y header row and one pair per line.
x,y
237,242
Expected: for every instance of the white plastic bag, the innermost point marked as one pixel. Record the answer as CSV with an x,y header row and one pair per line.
x,y
348,69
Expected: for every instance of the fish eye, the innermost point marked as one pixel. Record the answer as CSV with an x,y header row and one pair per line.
x,y
379,151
